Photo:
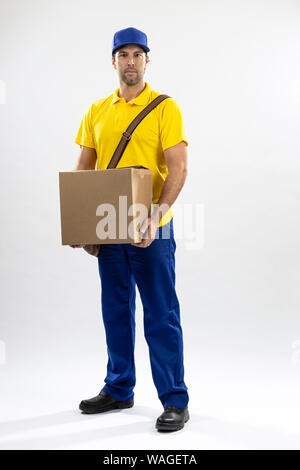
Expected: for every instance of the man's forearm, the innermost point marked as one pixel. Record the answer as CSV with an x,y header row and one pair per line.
x,y
87,159
171,188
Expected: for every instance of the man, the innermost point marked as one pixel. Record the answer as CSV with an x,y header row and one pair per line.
x,y
158,143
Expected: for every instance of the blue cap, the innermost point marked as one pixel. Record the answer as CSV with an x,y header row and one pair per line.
x,y
129,36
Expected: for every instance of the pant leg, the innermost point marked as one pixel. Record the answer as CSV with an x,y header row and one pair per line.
x,y
154,271
118,313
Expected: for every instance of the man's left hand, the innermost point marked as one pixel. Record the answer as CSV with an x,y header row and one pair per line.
x,y
149,227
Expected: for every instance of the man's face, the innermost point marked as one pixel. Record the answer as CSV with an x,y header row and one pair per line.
x,y
130,63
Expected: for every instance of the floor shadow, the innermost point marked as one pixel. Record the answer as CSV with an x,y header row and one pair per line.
x,y
229,434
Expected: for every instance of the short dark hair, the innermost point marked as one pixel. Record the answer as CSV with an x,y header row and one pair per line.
x,y
116,50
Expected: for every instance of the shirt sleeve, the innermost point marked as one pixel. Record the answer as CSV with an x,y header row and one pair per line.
x,y
85,134
172,128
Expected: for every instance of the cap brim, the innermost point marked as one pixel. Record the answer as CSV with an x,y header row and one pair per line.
x,y
145,48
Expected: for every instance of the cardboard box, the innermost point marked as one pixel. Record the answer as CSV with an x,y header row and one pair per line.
x,y
104,206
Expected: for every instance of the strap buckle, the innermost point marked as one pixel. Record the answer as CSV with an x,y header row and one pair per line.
x,y
127,135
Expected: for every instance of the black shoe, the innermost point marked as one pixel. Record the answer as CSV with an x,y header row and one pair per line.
x,y
172,419
103,402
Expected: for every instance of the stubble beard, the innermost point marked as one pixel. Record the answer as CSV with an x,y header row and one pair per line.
x,y
131,80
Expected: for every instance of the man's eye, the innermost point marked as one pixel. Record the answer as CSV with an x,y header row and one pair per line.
x,y
123,54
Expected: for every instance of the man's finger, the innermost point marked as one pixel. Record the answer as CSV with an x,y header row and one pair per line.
x,y
140,244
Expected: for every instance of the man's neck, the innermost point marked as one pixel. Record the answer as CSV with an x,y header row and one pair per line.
x,y
131,92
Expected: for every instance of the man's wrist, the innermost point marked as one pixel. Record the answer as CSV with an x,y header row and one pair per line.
x,y
160,209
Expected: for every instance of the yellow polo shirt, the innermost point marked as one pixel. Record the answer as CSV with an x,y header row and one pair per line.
x,y
106,119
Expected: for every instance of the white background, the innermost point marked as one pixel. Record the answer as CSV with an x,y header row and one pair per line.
x,y
234,68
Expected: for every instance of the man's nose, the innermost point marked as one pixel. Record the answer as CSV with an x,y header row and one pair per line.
x,y
130,60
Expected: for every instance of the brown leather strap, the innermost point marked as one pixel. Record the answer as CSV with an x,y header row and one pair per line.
x,y
128,133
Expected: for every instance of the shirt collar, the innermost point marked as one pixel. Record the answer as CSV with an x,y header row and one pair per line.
x,y
141,99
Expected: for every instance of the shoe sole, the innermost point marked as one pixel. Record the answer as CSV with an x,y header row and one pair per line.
x,y
119,405
170,427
